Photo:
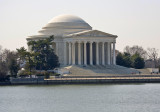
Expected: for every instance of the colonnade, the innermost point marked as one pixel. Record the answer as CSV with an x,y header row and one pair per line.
x,y
83,53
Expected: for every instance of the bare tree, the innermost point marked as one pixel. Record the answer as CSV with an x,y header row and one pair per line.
x,y
136,49
153,55
0,48
0,53
5,54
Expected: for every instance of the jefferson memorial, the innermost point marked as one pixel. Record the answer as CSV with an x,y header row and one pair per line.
x,y
76,43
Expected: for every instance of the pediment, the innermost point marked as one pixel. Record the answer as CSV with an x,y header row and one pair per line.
x,y
91,33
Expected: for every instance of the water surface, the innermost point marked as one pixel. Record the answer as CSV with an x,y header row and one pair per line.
x,y
81,98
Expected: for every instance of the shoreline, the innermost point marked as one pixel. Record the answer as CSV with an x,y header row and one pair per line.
x,y
84,80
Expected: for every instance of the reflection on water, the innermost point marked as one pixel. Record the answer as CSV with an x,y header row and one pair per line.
x,y
81,98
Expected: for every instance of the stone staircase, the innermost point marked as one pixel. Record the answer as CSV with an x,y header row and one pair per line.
x,y
144,71
100,70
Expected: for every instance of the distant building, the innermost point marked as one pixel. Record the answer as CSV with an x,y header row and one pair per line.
x,y
151,64
76,43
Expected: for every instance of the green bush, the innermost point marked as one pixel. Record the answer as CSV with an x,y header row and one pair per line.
x,y
39,73
3,76
46,75
24,73
57,74
127,60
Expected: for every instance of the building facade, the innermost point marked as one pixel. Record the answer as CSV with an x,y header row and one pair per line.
x,y
76,43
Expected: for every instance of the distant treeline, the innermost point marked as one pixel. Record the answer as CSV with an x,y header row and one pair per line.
x,y
136,56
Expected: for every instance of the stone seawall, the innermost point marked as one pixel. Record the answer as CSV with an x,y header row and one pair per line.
x,y
19,81
5,83
37,81
100,81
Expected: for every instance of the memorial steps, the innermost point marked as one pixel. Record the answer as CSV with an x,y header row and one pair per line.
x,y
93,70
144,71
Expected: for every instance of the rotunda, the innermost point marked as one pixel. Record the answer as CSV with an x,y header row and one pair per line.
x,y
75,43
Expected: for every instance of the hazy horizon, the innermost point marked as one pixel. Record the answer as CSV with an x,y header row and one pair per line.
x,y
135,22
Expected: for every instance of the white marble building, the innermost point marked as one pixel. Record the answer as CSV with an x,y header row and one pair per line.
x,y
75,43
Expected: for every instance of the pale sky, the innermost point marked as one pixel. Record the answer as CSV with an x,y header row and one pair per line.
x,y
136,22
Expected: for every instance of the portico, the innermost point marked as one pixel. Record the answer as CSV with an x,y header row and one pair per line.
x,y
96,53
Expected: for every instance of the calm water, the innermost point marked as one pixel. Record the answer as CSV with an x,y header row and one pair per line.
x,y
81,98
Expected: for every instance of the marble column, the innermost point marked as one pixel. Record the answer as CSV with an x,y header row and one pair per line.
x,y
30,48
69,53
57,48
91,54
114,54
103,62
73,53
97,53
85,54
108,53
65,56
79,53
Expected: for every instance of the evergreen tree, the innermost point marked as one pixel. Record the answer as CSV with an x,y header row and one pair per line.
x,y
13,67
119,59
137,61
127,59
52,61
28,57
43,54
3,71
29,62
22,53
124,59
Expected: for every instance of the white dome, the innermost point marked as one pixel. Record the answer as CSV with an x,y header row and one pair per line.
x,y
63,25
67,18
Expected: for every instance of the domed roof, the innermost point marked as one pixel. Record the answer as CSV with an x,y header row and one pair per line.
x,y
63,25
67,21
67,18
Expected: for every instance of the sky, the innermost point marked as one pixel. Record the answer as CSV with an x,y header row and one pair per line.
x,y
135,22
